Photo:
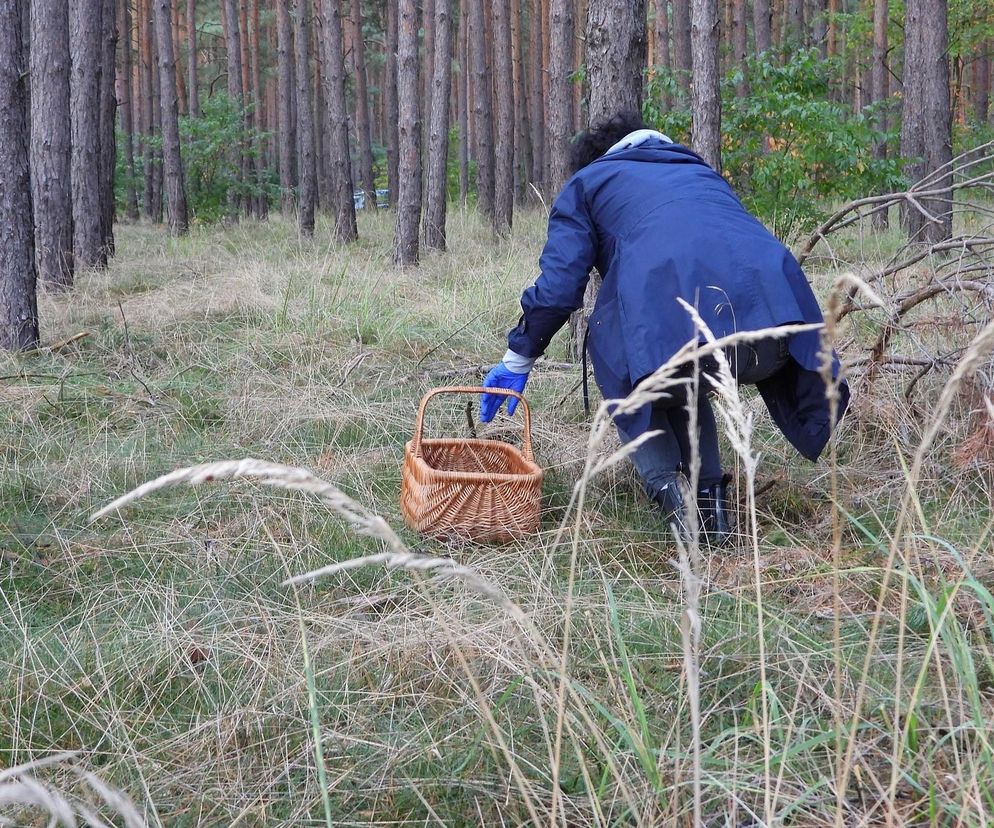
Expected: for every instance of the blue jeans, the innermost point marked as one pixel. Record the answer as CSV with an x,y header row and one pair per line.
x,y
661,458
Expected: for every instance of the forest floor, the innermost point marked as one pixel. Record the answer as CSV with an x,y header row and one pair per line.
x,y
164,646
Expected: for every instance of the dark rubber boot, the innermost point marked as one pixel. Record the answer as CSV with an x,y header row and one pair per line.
x,y
712,502
670,502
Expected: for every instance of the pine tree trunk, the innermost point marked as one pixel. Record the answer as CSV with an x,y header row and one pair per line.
x,y
191,60
536,95
233,42
615,55
794,23
832,34
462,100
146,103
682,52
982,84
125,102
817,15
663,57
560,110
260,203
483,124
178,59
248,176
428,52
287,133
504,124
341,204
581,89
18,278
306,170
51,147
880,85
705,92
522,142
363,120
926,127
438,132
392,104
108,121
740,45
762,23
168,95
321,141
157,171
405,245
87,58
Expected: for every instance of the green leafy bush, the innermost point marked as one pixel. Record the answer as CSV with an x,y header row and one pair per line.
x,y
788,149
209,173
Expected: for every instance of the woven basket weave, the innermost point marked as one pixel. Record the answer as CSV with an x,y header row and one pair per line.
x,y
483,490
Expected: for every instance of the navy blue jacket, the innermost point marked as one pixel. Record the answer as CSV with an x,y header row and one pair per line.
x,y
658,223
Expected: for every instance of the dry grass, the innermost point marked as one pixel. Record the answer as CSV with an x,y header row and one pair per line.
x,y
236,653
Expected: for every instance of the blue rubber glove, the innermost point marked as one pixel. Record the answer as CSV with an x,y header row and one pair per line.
x,y
500,376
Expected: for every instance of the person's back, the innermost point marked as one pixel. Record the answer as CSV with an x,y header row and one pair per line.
x,y
661,226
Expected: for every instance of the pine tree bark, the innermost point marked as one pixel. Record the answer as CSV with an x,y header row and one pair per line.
x,y
794,23
762,24
191,60
504,123
392,104
18,277
405,245
87,58
816,13
740,45
926,126
428,54
705,91
248,175
438,132
157,170
682,50
522,141
536,95
178,59
169,101
233,42
146,102
341,203
880,85
321,141
51,147
832,34
125,102
615,55
560,111
663,56
307,169
462,103
483,124
363,120
287,133
108,121
260,203
982,84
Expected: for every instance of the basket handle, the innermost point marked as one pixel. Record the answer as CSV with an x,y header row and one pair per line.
x,y
419,424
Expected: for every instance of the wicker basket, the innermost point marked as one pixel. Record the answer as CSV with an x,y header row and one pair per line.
x,y
483,490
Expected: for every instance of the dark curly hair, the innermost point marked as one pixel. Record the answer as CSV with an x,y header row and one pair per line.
x,y
592,143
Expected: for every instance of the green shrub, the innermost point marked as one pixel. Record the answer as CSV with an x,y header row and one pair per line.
x,y
209,174
788,149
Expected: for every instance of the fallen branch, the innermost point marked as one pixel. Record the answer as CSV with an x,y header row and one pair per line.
x,y
55,347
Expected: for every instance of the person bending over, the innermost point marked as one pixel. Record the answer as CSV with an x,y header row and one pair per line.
x,y
659,224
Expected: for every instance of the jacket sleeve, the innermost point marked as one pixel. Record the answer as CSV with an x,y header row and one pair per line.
x,y
565,264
